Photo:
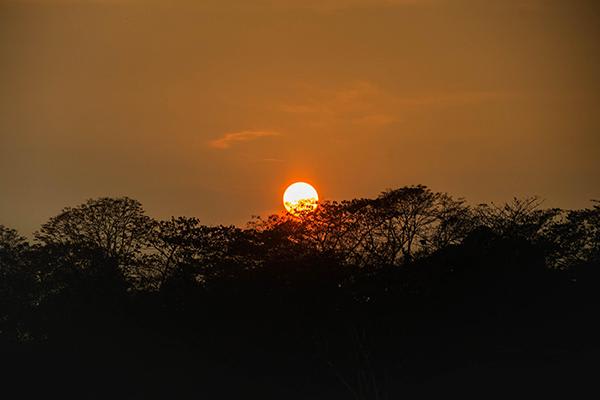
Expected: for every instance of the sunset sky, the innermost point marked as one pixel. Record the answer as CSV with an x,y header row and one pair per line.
x,y
210,108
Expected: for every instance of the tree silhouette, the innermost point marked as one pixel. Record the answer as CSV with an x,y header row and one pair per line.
x,y
574,238
364,297
118,226
18,285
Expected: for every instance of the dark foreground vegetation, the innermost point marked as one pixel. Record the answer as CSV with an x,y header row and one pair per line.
x,y
410,293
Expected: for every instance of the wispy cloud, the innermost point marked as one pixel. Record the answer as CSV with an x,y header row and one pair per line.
x,y
360,103
367,105
448,99
338,5
231,138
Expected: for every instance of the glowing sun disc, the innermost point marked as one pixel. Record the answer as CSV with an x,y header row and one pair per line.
x,y
300,197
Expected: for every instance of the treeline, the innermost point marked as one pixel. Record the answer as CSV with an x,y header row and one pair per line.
x,y
320,287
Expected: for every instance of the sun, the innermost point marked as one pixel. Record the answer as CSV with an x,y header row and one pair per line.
x,y
299,198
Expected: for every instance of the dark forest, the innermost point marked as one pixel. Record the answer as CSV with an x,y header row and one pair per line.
x,y
413,292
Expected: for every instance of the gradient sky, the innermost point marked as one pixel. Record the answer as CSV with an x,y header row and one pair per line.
x,y
209,108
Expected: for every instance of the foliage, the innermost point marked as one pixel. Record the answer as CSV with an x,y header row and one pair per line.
x,y
118,226
350,291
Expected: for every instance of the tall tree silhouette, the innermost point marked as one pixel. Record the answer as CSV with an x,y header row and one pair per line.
x,y
118,226
416,220
18,283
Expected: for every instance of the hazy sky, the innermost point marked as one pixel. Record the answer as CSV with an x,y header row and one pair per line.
x,y
209,108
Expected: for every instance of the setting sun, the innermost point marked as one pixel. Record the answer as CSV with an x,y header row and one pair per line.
x,y
300,197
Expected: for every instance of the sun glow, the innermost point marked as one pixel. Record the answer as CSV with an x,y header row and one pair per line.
x,y
300,198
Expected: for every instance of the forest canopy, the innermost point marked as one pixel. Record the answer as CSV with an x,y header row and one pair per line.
x,y
105,269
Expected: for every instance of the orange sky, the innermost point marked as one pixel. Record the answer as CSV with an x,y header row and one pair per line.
x,y
209,108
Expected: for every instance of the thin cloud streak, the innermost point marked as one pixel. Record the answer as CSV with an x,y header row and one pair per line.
x,y
232,138
366,104
340,5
